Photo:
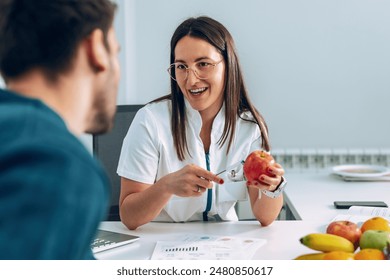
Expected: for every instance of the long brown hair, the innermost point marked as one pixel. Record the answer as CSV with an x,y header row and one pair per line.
x,y
235,95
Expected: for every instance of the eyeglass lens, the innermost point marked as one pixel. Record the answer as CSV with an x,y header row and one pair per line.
x,y
179,71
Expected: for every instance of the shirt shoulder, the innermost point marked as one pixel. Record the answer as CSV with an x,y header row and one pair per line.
x,y
160,110
153,117
48,173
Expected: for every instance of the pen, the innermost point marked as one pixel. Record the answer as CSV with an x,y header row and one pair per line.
x,y
231,167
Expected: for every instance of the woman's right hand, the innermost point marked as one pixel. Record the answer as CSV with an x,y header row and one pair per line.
x,y
140,203
191,180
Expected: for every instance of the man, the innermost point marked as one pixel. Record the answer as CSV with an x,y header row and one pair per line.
x,y
59,62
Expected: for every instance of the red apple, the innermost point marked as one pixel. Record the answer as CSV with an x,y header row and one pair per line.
x,y
256,164
346,229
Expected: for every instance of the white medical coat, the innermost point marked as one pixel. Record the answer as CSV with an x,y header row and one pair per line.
x,y
148,153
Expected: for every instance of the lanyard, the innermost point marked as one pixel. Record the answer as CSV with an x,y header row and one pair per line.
x,y
209,192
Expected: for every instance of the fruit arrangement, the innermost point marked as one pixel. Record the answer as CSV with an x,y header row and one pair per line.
x,y
345,240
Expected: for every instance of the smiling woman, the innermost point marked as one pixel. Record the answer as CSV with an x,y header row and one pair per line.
x,y
203,86
177,143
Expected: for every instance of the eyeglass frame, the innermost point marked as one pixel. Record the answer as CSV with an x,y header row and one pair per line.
x,y
193,70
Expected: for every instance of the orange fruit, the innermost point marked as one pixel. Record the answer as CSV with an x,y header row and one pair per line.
x,y
338,255
369,254
375,223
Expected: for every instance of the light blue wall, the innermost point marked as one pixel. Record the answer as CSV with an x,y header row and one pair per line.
x,y
319,71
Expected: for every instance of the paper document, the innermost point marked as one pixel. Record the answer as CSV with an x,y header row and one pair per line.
x,y
359,214
207,247
370,211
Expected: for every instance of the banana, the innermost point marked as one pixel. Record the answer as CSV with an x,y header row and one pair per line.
x,y
326,242
314,256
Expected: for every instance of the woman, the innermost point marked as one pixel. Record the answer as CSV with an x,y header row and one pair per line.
x,y
177,143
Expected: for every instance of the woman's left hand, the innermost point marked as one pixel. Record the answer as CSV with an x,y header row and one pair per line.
x,y
268,182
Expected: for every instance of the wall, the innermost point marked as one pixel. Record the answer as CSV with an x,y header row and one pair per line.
x,y
317,70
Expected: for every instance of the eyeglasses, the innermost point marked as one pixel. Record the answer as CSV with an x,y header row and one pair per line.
x,y
203,70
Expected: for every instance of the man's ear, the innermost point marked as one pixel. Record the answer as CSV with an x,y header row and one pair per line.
x,y
97,51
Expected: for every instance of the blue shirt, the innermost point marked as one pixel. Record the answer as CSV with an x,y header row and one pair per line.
x,y
53,194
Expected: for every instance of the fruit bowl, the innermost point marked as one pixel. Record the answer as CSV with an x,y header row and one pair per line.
x,y
345,240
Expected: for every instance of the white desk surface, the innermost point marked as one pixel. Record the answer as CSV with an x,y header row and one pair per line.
x,y
282,237
312,195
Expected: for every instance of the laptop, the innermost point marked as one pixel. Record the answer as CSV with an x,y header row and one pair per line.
x,y
106,240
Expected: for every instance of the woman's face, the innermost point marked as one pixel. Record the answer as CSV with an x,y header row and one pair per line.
x,y
204,95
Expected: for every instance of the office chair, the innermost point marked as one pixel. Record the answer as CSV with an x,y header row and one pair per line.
x,y
107,147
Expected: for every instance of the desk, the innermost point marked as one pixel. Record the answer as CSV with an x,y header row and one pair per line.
x,y
282,237
309,195
312,194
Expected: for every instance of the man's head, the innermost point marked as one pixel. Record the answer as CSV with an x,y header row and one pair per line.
x,y
46,35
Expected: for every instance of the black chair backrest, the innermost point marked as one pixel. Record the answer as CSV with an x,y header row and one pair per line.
x,y
107,148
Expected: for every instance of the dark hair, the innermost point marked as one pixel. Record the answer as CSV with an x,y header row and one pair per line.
x,y
45,34
235,95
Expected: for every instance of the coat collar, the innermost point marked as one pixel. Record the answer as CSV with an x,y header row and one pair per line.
x,y
194,119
